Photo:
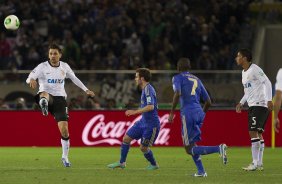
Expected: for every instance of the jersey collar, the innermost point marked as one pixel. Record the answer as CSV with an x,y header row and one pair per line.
x,y
248,67
54,66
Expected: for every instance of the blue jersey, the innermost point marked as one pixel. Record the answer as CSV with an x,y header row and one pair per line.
x,y
192,115
191,90
148,97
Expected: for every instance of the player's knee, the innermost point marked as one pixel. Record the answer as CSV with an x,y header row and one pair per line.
x,y
188,152
65,138
64,130
44,94
253,134
188,149
144,149
126,139
65,133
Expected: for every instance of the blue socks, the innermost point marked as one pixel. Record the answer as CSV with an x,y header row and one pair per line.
x,y
197,151
204,150
123,152
198,163
150,157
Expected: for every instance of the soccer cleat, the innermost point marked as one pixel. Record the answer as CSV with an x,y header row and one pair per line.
x,y
116,165
152,167
251,167
44,107
201,174
260,167
222,152
66,162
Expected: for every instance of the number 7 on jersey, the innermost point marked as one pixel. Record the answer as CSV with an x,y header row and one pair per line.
x,y
195,85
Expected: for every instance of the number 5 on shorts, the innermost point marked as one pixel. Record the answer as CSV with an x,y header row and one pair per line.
x,y
254,121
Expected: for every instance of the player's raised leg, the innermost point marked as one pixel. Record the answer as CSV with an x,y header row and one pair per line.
x,y
205,150
43,102
223,153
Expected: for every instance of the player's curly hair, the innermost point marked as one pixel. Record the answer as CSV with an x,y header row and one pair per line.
x,y
145,73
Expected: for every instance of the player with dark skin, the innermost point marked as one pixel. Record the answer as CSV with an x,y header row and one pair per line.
x,y
188,90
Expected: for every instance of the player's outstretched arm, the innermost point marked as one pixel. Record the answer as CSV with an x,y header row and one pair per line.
x,y
147,108
90,93
33,76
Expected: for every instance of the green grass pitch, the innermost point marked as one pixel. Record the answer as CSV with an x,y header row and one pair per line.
x,y
42,165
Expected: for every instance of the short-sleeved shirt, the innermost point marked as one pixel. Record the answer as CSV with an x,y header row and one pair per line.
x,y
148,97
191,89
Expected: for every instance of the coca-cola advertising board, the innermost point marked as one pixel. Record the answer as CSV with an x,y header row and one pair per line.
x,y
106,128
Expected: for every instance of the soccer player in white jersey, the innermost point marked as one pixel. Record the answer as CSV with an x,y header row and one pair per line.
x,y
277,99
258,95
51,96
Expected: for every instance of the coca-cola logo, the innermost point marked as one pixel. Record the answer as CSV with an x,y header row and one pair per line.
x,y
98,131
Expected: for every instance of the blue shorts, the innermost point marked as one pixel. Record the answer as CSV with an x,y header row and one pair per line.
x,y
191,126
148,135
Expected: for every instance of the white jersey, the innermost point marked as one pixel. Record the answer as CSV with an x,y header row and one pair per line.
x,y
52,79
257,87
278,85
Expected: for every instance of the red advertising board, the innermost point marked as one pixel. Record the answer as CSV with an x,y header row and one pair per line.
x,y
106,128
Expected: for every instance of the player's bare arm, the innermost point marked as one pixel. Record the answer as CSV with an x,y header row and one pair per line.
x,y
277,125
207,105
175,101
270,105
239,107
90,93
33,83
277,105
139,111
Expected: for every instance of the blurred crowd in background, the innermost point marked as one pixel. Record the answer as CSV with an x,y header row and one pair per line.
x,y
76,103
124,34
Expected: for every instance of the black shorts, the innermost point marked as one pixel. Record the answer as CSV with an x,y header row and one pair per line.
x,y
57,106
257,117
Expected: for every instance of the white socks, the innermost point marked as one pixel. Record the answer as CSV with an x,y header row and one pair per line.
x,y
65,148
255,150
261,149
